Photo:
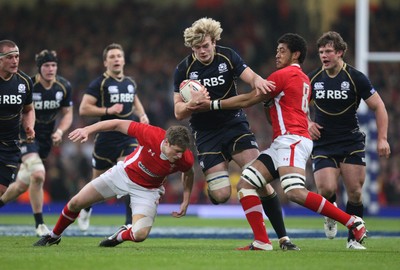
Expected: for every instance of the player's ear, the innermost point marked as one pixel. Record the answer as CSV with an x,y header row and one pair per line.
x,y
296,55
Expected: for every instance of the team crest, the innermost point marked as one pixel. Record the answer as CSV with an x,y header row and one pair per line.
x,y
21,88
345,86
59,95
131,89
222,68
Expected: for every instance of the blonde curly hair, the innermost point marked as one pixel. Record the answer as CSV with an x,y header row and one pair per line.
x,y
200,29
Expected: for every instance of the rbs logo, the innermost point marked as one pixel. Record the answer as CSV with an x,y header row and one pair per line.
x,y
10,99
214,81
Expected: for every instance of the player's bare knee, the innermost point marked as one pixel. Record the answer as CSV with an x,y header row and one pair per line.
x,y
37,178
75,204
221,195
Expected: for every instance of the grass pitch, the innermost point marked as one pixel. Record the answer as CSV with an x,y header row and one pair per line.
x,y
17,252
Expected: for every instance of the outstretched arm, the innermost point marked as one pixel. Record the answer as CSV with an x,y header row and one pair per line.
x,y
237,102
82,134
187,182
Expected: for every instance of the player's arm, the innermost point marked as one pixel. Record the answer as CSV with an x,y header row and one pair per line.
x,y
187,182
88,107
376,104
257,83
139,111
64,124
233,103
313,128
28,121
82,134
183,110
267,106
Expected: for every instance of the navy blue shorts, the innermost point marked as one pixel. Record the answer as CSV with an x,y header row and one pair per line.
x,y
42,145
10,155
216,146
106,155
348,149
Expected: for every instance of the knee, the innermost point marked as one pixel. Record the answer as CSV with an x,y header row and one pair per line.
x,y
219,186
293,195
221,195
355,196
37,178
141,235
20,187
74,205
141,228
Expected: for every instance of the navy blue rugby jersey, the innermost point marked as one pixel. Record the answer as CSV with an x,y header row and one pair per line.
x,y
15,93
336,100
220,79
49,102
109,91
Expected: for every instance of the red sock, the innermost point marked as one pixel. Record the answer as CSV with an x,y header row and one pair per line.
x,y
127,235
319,204
253,210
66,218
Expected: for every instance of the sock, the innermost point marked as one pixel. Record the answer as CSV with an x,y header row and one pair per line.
x,y
128,210
66,218
253,211
273,209
319,204
38,219
126,236
332,199
1,203
354,209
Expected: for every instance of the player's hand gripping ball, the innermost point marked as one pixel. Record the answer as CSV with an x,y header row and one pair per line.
x,y
186,86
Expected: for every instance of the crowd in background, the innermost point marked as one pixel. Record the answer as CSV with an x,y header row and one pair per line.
x,y
152,38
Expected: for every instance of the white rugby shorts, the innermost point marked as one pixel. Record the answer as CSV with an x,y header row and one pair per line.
x,y
116,183
290,150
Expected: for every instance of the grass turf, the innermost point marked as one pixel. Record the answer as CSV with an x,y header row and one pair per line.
x,y
17,252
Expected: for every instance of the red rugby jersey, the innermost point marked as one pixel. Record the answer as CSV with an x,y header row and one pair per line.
x,y
145,166
291,99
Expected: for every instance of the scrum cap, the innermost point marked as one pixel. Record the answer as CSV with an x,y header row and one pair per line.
x,y
44,57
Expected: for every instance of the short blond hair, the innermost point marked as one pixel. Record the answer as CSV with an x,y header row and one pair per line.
x,y
200,29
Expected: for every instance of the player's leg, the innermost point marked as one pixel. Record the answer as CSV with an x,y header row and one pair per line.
x,y
144,209
108,185
86,196
32,170
218,183
84,215
293,184
15,189
326,175
214,164
251,180
269,198
9,161
353,180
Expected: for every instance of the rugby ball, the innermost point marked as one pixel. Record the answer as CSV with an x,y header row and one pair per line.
x,y
186,86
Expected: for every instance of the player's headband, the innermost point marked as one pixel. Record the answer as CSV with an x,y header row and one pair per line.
x,y
44,57
8,53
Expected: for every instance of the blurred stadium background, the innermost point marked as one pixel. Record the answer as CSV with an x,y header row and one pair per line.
x,y
151,33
